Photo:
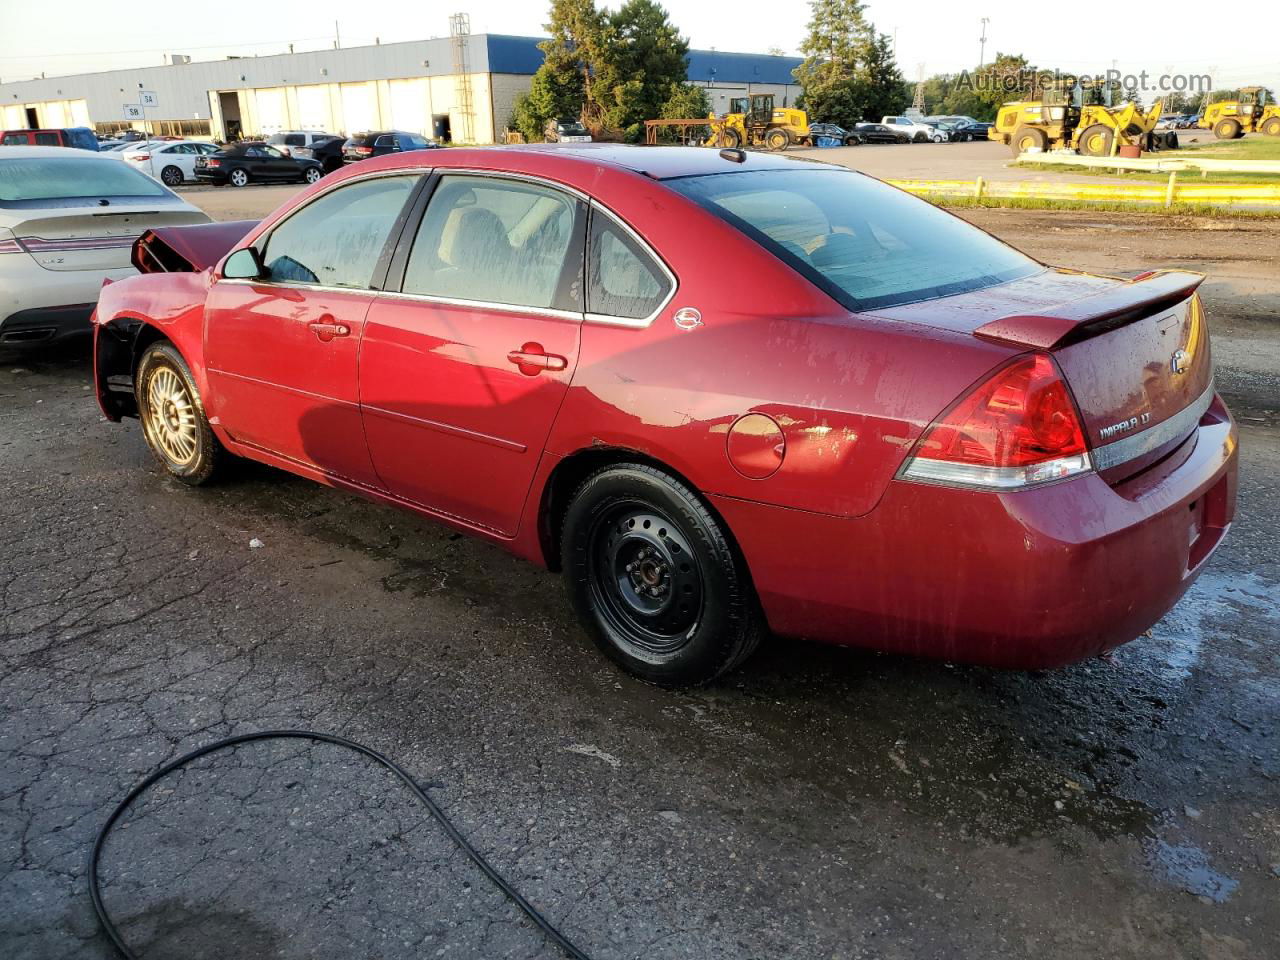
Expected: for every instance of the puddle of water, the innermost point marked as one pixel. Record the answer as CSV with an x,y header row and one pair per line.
x,y
1212,608
1187,868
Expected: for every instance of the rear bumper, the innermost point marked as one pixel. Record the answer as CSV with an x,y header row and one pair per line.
x,y
1027,580
211,176
42,326
39,307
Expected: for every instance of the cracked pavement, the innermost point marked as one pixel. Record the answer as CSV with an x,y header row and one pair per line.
x,y
820,802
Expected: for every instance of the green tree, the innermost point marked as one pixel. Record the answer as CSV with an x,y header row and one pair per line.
x,y
551,96
647,61
575,53
881,79
838,35
849,72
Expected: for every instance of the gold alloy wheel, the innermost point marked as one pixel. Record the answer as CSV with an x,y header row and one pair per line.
x,y
171,416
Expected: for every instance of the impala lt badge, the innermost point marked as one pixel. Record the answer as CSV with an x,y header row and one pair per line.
x,y
1178,362
1124,426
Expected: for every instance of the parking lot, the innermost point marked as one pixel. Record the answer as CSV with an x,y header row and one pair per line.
x,y
819,802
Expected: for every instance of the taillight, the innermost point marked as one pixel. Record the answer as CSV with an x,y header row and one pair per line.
x,y
364,150
10,246
138,157
213,163
1018,429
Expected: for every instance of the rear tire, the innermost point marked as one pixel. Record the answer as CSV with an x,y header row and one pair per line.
x,y
1096,141
1028,138
238,178
171,176
1272,127
173,419
1171,141
1226,129
852,140
654,579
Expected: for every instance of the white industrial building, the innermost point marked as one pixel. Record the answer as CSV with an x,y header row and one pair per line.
x,y
460,88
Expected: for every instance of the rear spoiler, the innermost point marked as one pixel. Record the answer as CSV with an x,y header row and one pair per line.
x,y
187,249
1080,319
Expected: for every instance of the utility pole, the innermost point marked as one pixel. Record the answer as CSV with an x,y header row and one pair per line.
x,y
982,41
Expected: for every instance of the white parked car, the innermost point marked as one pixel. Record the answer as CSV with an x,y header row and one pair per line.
x,y
916,130
286,140
171,161
68,219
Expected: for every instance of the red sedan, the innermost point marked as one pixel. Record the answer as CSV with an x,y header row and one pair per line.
x,y
725,393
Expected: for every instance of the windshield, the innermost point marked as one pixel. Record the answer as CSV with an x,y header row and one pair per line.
x,y
24,180
865,243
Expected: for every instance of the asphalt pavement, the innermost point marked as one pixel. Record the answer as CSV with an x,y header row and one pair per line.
x,y
820,802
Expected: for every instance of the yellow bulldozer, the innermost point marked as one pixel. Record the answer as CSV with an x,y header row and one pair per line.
x,y
1078,117
755,122
1229,119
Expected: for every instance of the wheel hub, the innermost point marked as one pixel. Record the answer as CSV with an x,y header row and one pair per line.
x,y
171,416
647,578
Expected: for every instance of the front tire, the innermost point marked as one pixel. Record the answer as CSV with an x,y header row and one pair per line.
x,y
1096,141
1272,127
1227,129
171,176
312,175
1028,138
654,579
238,178
173,419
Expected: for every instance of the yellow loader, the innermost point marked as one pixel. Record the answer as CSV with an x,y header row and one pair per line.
x,y
1229,119
1061,119
754,122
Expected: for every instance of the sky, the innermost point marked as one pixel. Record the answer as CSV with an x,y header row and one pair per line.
x,y
1171,38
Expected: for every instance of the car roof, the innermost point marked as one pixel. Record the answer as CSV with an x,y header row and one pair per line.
x,y
657,163
14,152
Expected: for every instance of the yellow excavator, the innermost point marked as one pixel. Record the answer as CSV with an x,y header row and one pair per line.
x,y
1070,115
1229,119
755,122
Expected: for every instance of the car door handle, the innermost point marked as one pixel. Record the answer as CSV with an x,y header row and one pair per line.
x,y
326,328
532,359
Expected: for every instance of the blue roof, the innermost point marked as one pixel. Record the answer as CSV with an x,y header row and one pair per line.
x,y
721,67
509,54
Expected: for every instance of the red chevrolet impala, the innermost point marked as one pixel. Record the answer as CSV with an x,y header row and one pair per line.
x,y
725,393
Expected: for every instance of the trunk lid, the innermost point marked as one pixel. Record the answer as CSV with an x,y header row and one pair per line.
x,y
1135,353
94,238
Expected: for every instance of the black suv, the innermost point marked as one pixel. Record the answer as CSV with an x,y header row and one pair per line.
x,y
362,146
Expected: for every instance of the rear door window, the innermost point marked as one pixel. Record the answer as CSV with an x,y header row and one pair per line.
x,y
337,239
497,241
49,138
623,280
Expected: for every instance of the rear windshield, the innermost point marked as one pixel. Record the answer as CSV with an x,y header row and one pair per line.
x,y
865,243
28,180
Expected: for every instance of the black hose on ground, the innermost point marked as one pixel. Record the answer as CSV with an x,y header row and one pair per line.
x,y
113,934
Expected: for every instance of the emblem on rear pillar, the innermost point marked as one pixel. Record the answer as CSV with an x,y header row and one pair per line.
x,y
1178,362
687,318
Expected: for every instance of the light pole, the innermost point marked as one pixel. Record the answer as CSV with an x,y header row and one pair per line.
x,y
982,41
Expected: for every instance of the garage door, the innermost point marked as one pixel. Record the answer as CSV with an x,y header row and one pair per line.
x,y
80,114
410,106
359,108
313,108
269,106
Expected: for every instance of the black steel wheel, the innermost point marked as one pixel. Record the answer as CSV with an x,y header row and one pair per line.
x,y
654,579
